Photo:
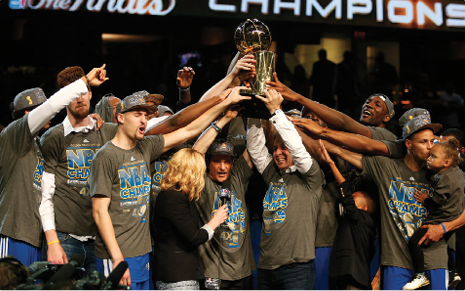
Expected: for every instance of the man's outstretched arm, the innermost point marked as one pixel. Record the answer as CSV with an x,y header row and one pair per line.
x,y
353,142
333,118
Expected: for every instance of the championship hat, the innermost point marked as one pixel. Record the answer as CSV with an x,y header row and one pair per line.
x,y
132,102
157,99
418,123
28,98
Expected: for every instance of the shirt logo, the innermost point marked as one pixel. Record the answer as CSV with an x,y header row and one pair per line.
x,y
132,159
85,141
274,205
407,213
79,161
235,221
135,185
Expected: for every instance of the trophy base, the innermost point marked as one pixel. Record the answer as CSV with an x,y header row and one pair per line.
x,y
254,108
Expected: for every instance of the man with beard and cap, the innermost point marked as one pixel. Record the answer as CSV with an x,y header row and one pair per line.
x,y
397,180
68,150
377,111
228,256
120,183
23,164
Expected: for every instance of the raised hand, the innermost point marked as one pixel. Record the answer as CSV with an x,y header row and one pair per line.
x,y
245,64
185,76
324,153
272,101
232,111
287,93
97,76
308,124
235,96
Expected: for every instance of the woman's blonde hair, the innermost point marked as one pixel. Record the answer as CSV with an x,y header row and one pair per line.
x,y
185,173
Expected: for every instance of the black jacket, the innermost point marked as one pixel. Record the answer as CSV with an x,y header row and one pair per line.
x,y
178,234
353,246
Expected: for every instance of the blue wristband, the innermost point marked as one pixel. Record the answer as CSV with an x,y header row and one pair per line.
x,y
443,226
216,126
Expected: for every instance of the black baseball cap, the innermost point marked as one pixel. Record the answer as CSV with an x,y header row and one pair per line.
x,y
221,148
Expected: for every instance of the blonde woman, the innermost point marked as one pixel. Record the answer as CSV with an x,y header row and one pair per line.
x,y
177,223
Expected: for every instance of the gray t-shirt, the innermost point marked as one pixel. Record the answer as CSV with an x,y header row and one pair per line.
x,y
290,209
21,168
235,254
448,188
400,213
381,133
69,159
124,176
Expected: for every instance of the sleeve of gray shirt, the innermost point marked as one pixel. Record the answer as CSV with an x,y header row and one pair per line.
x,y
396,148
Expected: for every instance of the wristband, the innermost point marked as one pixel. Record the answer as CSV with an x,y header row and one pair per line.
x,y
184,90
443,226
215,126
53,242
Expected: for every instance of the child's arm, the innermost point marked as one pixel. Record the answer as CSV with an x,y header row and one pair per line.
x,y
327,158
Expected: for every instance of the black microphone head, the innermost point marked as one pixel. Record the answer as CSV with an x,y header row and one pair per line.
x,y
115,276
77,260
63,274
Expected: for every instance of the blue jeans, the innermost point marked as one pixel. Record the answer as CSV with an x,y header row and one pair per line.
x,y
295,276
72,246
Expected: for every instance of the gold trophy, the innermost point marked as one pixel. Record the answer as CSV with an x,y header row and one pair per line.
x,y
254,37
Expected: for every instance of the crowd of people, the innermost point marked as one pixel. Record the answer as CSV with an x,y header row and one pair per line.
x,y
173,193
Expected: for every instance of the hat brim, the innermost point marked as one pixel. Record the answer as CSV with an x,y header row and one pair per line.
x,y
150,108
435,127
217,153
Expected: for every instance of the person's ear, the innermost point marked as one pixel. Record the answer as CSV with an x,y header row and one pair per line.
x,y
120,118
408,144
386,118
447,163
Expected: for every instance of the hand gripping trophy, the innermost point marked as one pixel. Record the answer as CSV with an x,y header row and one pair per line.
x,y
254,37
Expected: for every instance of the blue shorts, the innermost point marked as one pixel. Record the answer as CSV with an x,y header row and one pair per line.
x,y
394,278
322,267
139,270
24,252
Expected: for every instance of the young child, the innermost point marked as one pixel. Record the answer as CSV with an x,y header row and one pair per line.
x,y
353,249
445,204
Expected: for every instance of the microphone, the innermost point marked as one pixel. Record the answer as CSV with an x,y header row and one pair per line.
x,y
77,260
115,276
64,273
225,197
